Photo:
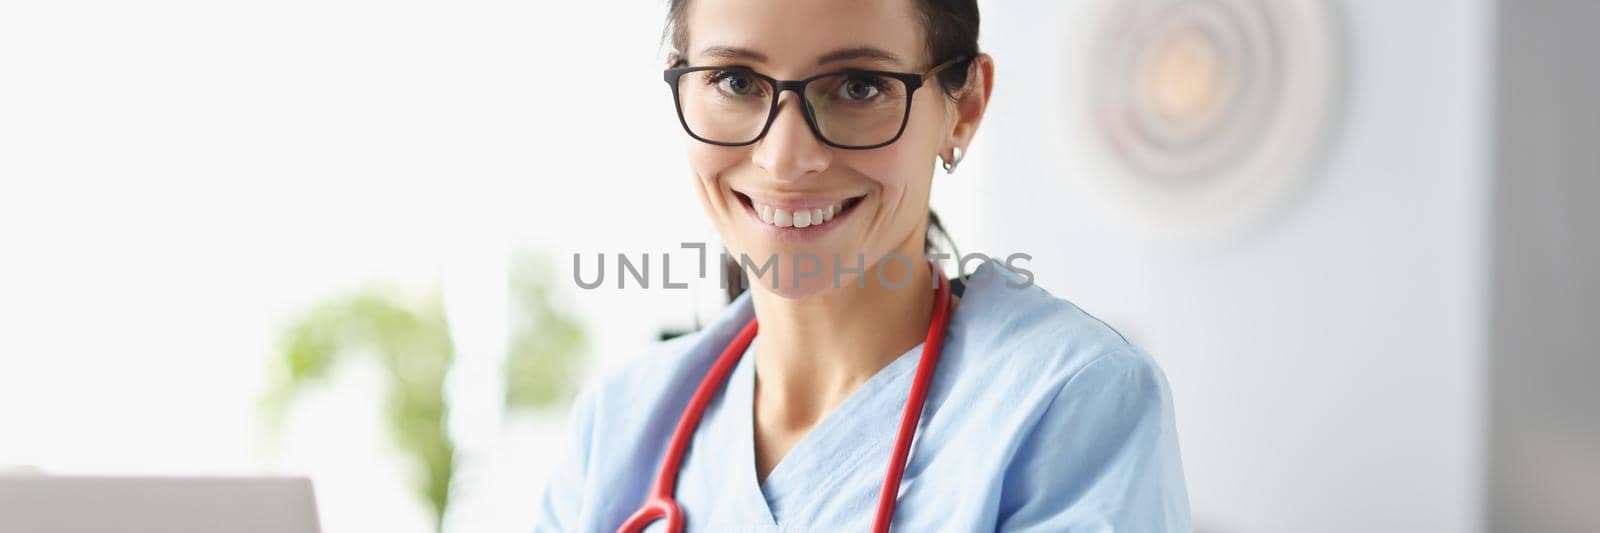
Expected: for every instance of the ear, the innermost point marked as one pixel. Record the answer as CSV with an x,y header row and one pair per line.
x,y
969,107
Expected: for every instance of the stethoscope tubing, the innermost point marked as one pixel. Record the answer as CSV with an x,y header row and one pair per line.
x,y
659,503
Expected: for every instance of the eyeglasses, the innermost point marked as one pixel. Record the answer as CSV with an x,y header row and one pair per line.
x,y
851,109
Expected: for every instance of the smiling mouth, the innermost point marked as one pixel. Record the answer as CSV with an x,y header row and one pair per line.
x,y
798,217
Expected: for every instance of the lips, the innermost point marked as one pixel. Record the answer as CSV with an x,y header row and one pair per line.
x,y
798,218
798,213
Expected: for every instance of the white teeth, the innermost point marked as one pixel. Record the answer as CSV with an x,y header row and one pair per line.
x,y
799,218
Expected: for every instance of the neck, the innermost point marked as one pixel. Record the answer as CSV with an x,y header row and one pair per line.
x,y
814,352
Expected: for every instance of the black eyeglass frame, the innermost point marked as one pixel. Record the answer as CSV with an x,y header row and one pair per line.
x,y
913,82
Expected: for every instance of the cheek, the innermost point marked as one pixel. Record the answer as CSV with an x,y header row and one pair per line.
x,y
903,170
908,163
709,162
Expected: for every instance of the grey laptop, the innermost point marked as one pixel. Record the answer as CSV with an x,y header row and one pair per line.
x,y
52,504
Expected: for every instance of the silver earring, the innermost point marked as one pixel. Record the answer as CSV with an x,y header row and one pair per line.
x,y
950,164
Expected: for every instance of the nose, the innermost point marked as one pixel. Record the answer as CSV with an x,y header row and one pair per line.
x,y
789,151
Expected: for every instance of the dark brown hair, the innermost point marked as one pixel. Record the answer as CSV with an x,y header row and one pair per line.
x,y
949,28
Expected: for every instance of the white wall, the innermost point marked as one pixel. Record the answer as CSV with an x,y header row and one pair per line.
x,y
1327,367
179,178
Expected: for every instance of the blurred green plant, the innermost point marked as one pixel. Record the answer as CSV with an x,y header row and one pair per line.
x,y
410,338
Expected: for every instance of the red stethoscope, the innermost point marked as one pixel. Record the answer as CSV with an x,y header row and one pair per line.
x,y
660,504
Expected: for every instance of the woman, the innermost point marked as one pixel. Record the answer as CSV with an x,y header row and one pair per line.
x,y
1028,414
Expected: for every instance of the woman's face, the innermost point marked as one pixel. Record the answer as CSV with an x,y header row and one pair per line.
x,y
879,197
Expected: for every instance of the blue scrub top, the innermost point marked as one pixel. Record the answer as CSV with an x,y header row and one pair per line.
x,y
1040,417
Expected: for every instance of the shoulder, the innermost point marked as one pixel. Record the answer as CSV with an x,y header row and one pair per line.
x,y
658,382
645,368
1090,412
616,388
1076,417
643,380
1102,450
1005,322
616,414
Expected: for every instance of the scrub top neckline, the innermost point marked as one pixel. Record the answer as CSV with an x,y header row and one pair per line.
x,y
852,430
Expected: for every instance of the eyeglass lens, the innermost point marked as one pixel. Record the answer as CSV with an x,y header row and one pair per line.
x,y
850,109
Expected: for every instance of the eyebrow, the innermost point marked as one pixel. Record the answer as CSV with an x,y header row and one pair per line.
x,y
733,52
859,52
845,54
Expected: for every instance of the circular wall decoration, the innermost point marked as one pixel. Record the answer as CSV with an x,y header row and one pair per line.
x,y
1198,116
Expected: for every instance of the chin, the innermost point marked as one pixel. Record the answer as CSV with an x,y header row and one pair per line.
x,y
787,289
794,274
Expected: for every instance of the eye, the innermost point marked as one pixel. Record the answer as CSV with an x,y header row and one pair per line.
x,y
736,83
860,87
